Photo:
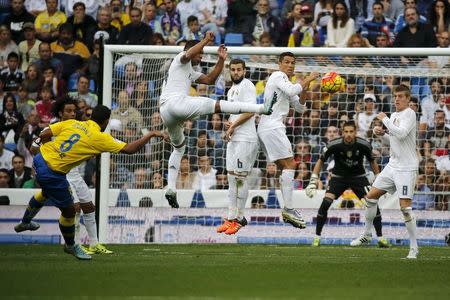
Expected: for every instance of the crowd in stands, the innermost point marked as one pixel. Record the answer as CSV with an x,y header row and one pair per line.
x,y
50,48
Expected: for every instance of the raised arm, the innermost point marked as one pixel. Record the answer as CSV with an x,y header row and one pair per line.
x,y
305,83
212,76
197,49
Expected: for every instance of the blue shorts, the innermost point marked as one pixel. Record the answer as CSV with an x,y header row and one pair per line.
x,y
54,185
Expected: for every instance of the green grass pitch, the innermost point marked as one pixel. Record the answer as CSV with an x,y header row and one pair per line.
x,y
234,271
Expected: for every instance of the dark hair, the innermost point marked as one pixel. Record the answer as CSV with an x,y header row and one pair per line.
x,y
349,123
402,89
236,61
190,44
19,156
435,79
191,19
2,138
202,132
157,36
100,114
136,9
378,3
415,8
44,44
146,202
344,18
5,98
66,27
82,76
433,18
12,55
58,106
284,54
79,4
3,170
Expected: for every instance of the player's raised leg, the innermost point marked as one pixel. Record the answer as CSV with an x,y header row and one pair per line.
x,y
34,206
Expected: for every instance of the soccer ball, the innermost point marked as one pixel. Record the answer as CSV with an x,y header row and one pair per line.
x,y
332,82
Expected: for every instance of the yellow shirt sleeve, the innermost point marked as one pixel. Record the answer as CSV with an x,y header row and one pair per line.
x,y
37,22
104,142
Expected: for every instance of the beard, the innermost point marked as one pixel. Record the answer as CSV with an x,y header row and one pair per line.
x,y
237,80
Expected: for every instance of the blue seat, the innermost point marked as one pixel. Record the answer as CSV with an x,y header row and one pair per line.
x,y
218,40
234,39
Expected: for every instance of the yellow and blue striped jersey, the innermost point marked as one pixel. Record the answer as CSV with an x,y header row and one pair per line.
x,y
74,142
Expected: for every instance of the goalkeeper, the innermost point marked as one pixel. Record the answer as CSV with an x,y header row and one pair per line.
x,y
348,172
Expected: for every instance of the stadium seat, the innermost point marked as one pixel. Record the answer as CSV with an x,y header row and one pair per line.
x,y
234,39
272,200
197,200
218,40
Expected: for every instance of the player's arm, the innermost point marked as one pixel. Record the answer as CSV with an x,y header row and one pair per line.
x,y
197,49
398,131
239,121
138,144
314,181
212,76
375,167
305,83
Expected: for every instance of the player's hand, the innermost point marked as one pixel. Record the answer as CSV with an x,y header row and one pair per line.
x,y
227,124
378,130
229,134
311,189
222,52
381,116
209,37
313,76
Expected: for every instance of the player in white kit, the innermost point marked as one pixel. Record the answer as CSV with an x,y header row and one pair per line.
x,y
176,106
272,131
401,171
242,148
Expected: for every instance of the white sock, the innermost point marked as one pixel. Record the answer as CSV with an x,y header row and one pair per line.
x,y
174,166
287,186
242,195
371,212
240,107
410,223
91,228
77,228
232,197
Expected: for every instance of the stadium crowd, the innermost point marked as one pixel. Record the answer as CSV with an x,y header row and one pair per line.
x,y
50,48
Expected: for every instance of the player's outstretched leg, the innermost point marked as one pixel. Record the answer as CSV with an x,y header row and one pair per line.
x,y
321,219
371,212
240,182
67,228
34,206
410,223
382,242
174,166
241,107
289,214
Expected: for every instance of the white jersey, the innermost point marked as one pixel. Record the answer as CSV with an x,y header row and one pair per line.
x,y
287,94
244,91
402,128
179,80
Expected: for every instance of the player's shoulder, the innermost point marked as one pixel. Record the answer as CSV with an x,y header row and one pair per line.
x,y
278,75
362,142
247,84
335,142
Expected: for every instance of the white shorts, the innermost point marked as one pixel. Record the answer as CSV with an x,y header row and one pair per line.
x,y
241,156
391,180
175,111
80,190
275,144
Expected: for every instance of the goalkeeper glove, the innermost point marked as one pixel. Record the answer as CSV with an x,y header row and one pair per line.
x,y
311,189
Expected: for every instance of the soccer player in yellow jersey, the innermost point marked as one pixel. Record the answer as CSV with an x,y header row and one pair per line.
x,y
74,142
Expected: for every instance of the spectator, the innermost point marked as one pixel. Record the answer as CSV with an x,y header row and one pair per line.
x,y
360,10
151,19
84,25
302,176
12,76
46,59
11,121
439,13
19,174
380,146
258,202
378,25
185,177
104,24
304,34
84,93
271,178
213,14
440,61
443,161
73,54
19,16
157,181
24,104
322,14
44,105
340,26
311,128
130,79
428,168
125,112
193,30
91,7
430,104
35,7
4,178
415,34
242,13
205,177
5,155
140,98
437,136
265,22
29,133
119,17
58,86
221,179
29,48
48,21
357,41
6,45
141,179
401,22
171,23
422,201
137,32
393,8
158,39
203,147
302,151
364,118
330,117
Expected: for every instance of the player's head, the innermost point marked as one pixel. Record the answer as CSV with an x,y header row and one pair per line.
x,y
197,58
402,95
237,70
286,63
349,132
65,109
100,115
